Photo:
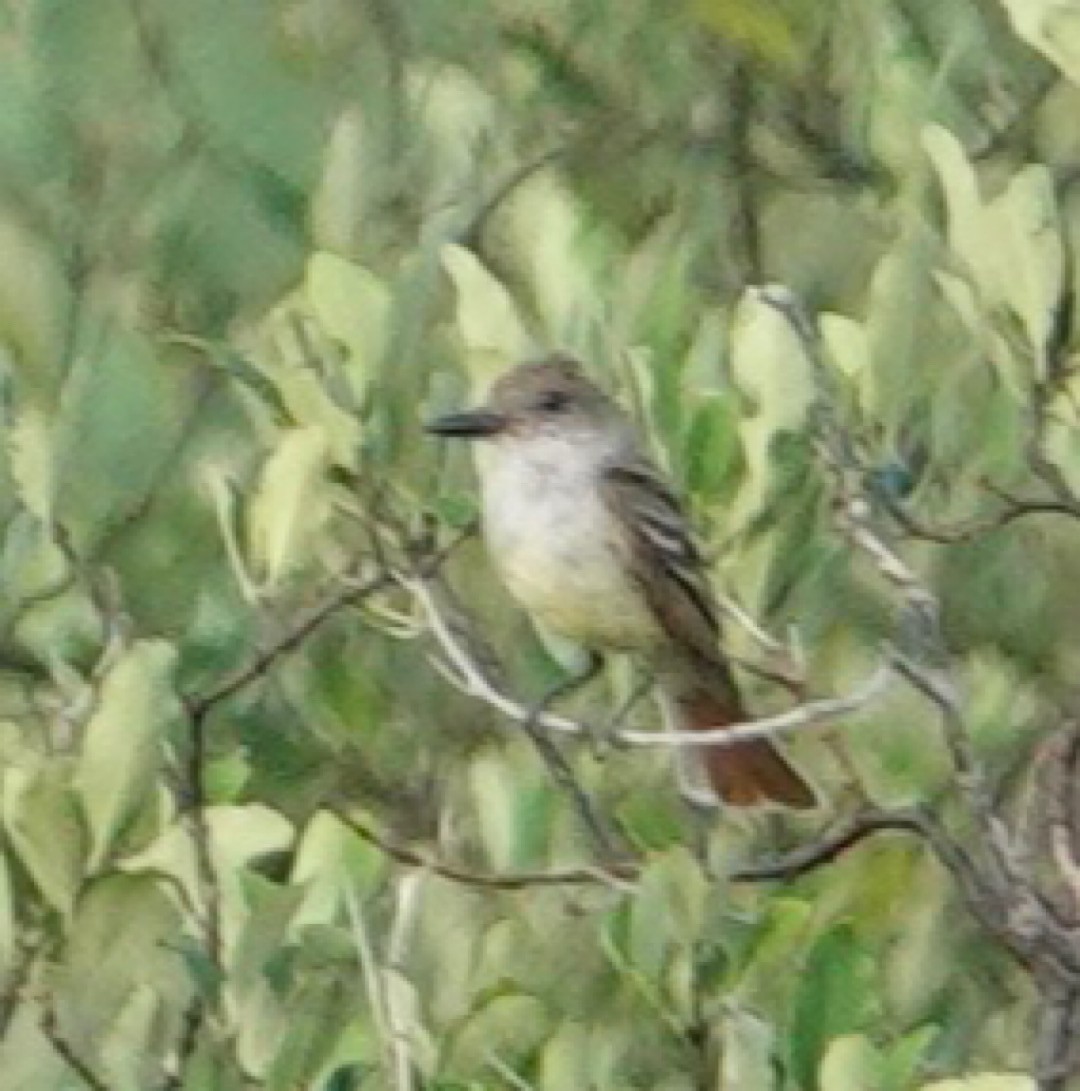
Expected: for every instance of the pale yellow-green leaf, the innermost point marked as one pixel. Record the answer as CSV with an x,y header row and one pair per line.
x,y
127,1049
495,798
221,489
338,201
543,222
1024,220
967,226
41,819
509,1026
748,1046
34,299
985,1082
1062,436
30,450
333,864
487,319
850,1062
771,369
666,916
291,504
1053,28
1009,365
122,749
1011,245
456,113
353,306
238,834
284,357
897,336
565,1061
846,343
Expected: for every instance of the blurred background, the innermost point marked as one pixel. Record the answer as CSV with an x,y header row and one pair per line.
x,y
245,250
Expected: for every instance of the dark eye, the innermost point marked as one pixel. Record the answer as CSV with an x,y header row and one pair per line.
x,y
553,401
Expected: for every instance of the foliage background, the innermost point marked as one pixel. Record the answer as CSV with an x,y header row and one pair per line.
x,y
245,249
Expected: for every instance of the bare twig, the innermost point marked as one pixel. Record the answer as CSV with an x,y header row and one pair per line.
x,y
810,714
408,897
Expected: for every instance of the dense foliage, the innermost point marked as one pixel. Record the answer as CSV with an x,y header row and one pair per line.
x,y
258,826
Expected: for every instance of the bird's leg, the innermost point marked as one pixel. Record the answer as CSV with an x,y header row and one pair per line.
x,y
555,760
565,686
604,738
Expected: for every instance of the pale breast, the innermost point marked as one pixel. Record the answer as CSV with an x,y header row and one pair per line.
x,y
560,551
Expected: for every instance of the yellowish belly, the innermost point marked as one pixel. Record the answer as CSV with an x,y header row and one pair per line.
x,y
559,552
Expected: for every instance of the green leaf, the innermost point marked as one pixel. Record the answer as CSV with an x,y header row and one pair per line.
x,y
122,744
836,994
318,1014
122,411
904,1060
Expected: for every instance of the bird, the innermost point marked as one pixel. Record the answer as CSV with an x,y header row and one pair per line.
x,y
591,540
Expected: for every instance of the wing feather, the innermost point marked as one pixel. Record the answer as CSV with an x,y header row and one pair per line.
x,y
663,558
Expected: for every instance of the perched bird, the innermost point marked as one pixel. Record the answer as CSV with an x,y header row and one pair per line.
x,y
593,543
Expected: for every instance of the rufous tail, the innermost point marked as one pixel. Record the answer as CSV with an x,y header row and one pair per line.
x,y
747,773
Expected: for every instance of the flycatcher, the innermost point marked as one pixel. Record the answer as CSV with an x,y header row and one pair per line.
x,y
593,543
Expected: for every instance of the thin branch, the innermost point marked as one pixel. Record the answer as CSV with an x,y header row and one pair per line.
x,y
617,876
1015,509
199,705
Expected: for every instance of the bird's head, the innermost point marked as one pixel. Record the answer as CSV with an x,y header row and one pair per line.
x,y
550,397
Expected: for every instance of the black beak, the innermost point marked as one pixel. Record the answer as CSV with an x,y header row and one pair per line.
x,y
471,424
